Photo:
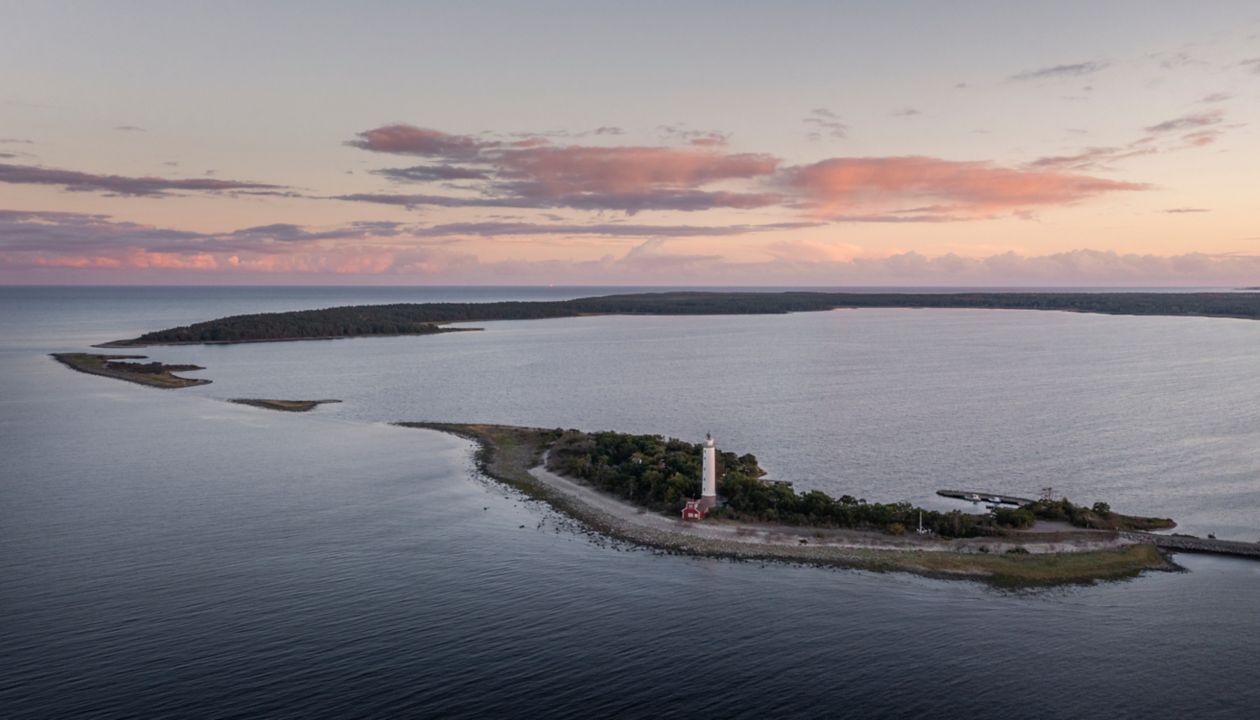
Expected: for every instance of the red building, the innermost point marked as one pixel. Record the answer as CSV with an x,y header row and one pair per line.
x,y
694,511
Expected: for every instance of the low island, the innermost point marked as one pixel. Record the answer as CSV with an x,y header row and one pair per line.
x,y
632,487
430,318
282,405
153,374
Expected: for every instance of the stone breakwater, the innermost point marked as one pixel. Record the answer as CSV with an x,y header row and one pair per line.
x,y
1185,543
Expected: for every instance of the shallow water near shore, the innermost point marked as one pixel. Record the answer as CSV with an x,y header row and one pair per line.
x,y
169,554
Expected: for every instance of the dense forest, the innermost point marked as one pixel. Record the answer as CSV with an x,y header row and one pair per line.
x,y
352,321
424,318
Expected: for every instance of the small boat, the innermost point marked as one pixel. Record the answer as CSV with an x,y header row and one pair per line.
x,y
972,497
995,499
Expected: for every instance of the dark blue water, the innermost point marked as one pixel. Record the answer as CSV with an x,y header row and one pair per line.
x,y
166,554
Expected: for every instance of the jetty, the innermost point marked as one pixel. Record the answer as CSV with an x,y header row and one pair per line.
x,y
986,497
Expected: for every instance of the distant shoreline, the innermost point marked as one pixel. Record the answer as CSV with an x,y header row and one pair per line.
x,y
430,318
514,456
132,343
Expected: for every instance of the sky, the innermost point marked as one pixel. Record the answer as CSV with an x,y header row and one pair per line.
x,y
993,144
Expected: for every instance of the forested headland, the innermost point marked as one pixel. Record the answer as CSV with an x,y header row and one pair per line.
x,y
428,318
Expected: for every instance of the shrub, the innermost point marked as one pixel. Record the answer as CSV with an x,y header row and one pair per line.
x,y
1015,518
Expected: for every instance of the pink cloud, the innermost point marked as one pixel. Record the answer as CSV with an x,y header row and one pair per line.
x,y
170,260
411,140
54,247
533,173
812,251
1201,138
1189,122
77,261
841,186
1093,158
653,263
577,168
1199,129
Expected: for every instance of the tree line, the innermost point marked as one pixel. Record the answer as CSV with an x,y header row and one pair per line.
x,y
424,318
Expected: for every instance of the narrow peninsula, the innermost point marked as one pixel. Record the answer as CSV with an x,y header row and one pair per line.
x,y
153,374
430,318
638,488
282,405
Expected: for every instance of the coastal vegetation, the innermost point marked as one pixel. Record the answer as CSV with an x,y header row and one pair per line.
x,y
282,405
429,318
1019,569
648,470
662,473
153,374
344,322
1097,517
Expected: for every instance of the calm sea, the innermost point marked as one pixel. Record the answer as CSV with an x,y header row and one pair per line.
x,y
167,554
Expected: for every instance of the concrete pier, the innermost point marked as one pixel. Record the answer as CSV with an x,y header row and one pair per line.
x,y
984,496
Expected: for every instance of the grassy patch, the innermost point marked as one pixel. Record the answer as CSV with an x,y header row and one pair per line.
x,y
505,453
1019,569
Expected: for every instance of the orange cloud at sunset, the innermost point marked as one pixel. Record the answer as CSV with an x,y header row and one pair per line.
x,y
65,247
529,207
534,173
412,140
899,186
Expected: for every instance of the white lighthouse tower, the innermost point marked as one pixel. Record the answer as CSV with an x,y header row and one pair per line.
x,y
708,493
